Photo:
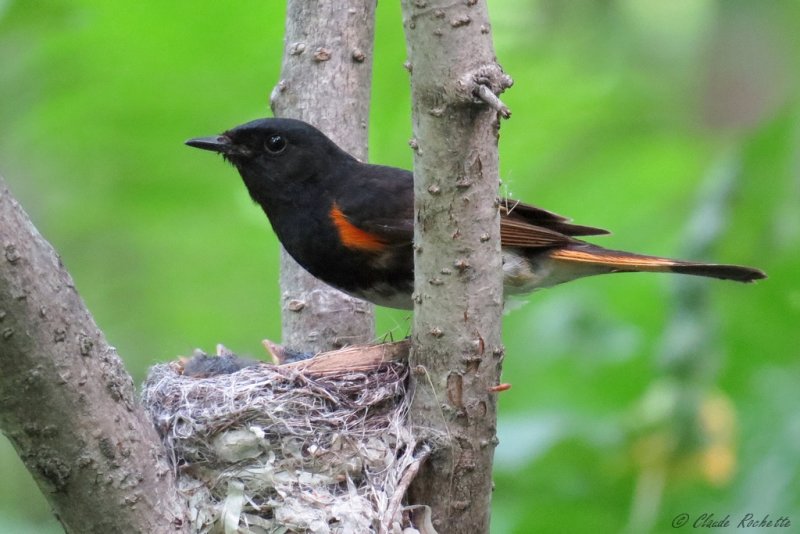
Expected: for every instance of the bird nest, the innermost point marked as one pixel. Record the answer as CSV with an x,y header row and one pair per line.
x,y
316,446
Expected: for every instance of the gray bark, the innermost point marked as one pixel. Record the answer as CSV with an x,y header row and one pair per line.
x,y
325,80
458,301
67,404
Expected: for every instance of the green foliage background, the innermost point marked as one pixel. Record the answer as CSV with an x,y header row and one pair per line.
x,y
635,398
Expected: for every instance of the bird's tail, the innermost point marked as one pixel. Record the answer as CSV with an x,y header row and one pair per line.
x,y
606,260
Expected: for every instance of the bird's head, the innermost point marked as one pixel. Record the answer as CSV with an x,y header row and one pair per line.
x,y
277,158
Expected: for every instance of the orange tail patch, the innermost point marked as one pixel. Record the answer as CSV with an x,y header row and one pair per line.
x,y
353,236
617,261
614,259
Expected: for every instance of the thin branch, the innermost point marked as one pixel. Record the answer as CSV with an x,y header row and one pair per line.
x,y
485,93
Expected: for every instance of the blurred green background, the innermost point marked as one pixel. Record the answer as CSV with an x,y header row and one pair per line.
x,y
675,123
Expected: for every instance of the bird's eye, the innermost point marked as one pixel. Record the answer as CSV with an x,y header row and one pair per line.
x,y
275,143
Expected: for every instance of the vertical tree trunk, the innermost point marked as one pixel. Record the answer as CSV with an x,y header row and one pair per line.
x,y
325,80
458,266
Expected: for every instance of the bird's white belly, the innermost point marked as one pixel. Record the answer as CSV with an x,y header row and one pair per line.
x,y
523,274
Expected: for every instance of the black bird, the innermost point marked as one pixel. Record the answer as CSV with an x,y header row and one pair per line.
x,y
351,224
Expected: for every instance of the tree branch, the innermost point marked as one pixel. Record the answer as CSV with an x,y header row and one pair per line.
x,y
66,402
326,80
458,281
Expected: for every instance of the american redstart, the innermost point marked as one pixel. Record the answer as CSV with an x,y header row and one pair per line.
x,y
351,224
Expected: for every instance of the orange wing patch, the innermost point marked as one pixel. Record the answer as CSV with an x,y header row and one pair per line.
x,y
353,236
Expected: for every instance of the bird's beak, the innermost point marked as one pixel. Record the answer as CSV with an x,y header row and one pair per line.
x,y
217,143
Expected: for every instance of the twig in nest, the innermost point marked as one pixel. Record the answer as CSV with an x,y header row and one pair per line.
x,y
356,358
401,488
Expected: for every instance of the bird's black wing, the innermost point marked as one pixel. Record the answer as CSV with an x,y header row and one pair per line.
x,y
519,211
379,200
389,216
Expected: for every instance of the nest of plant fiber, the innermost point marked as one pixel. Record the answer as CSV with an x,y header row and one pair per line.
x,y
291,448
